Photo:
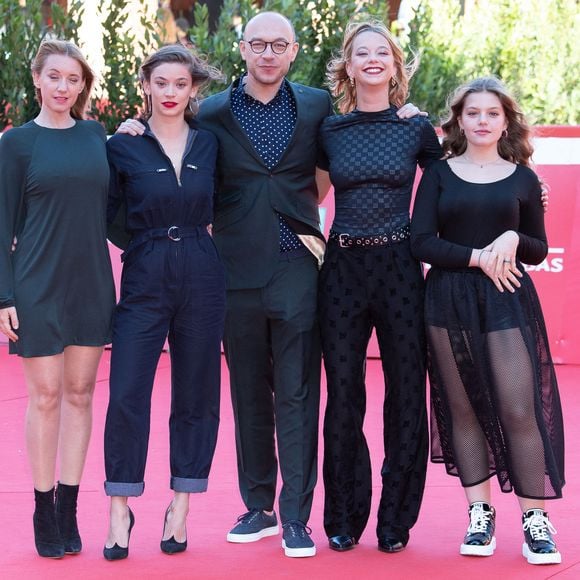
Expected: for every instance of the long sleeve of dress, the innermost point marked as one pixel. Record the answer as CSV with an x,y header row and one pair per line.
x,y
116,204
453,216
426,244
533,246
13,166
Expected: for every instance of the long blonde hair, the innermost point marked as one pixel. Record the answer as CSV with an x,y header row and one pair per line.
x,y
337,76
65,48
514,145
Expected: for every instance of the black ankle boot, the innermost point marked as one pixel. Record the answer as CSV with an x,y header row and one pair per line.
x,y
66,517
46,536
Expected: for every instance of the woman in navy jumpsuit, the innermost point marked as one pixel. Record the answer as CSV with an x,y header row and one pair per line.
x,y
172,287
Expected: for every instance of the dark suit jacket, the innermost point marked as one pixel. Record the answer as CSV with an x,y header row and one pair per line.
x,y
249,195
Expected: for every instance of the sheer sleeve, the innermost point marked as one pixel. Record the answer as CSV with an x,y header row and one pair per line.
x,y
431,150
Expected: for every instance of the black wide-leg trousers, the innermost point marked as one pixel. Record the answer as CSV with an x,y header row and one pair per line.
x,y
272,348
362,288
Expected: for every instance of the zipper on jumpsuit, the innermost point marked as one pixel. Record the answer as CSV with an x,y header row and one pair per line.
x,y
192,134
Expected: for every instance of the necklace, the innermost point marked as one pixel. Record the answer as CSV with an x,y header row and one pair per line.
x,y
481,165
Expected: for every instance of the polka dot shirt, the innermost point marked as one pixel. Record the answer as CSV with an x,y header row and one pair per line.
x,y
269,127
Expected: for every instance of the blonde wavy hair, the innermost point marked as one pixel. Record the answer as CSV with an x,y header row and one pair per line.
x,y
514,145
65,48
339,81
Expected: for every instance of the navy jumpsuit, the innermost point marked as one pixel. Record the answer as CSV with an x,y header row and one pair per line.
x,y
172,286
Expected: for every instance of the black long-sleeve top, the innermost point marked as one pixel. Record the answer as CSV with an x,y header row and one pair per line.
x,y
372,159
452,216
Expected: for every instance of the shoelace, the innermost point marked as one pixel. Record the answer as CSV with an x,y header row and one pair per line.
x,y
539,526
249,517
297,528
479,520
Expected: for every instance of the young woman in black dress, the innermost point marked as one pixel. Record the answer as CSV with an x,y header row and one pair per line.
x,y
370,280
173,286
495,403
56,287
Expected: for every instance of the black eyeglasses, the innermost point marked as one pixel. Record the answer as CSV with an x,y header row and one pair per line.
x,y
277,46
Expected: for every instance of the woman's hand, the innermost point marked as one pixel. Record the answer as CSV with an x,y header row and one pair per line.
x,y
131,127
9,322
498,261
409,110
545,195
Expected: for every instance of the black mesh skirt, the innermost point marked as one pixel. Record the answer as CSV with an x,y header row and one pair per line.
x,y
495,406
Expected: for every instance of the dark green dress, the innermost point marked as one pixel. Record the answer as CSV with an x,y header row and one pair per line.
x,y
53,197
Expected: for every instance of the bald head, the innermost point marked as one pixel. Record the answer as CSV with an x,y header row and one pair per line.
x,y
264,22
267,66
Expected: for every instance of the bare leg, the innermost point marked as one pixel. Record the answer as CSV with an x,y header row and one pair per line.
x,y
80,372
118,523
531,504
175,521
480,492
44,376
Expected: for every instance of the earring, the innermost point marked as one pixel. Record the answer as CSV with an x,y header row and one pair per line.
x,y
504,133
394,82
193,105
351,80
461,132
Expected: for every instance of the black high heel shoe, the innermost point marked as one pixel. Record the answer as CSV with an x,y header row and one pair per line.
x,y
117,552
171,546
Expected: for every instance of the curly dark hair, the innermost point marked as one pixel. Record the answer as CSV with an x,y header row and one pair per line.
x,y
514,146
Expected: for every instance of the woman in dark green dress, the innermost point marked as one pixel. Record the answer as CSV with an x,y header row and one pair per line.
x,y
56,287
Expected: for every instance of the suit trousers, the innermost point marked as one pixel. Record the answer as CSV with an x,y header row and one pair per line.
x,y
173,290
362,288
272,348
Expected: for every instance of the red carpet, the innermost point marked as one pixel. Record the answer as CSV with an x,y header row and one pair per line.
x,y
432,552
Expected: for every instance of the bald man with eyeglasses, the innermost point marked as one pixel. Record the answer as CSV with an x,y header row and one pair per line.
x,y
266,228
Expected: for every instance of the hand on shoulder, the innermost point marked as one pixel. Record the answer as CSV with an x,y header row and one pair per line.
x,y
131,127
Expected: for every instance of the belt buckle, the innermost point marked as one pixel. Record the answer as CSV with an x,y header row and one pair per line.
x,y
343,240
173,234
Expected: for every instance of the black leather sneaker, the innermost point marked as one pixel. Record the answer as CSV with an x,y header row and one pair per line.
x,y
480,537
539,546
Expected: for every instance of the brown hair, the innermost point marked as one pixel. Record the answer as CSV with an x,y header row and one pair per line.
x,y
515,146
201,73
65,48
338,79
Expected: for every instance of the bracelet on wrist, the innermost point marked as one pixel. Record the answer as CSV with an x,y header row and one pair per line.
x,y
479,258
